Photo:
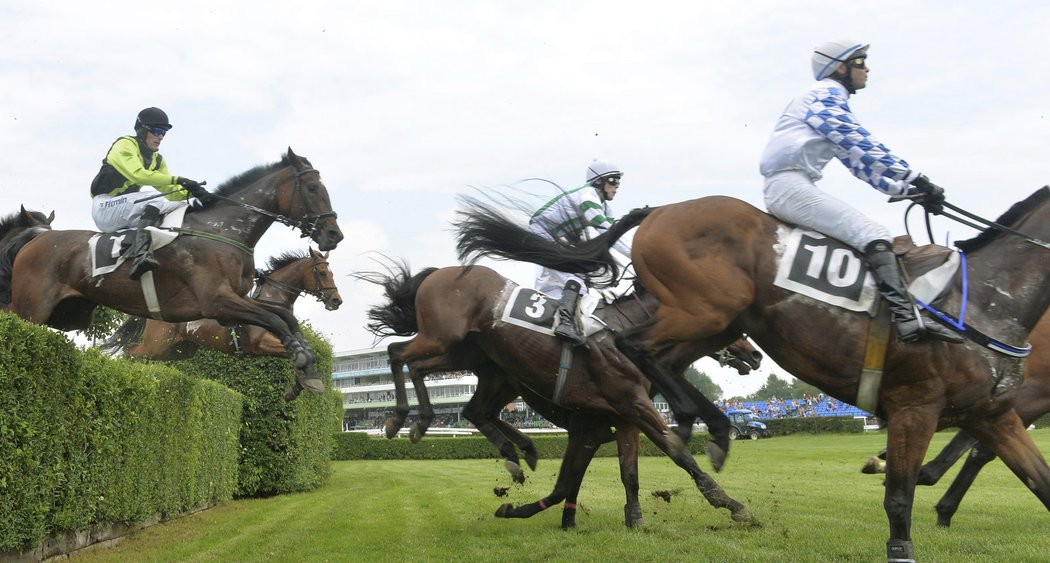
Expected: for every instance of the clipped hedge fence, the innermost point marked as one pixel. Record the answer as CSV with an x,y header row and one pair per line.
x,y
358,445
86,440
284,446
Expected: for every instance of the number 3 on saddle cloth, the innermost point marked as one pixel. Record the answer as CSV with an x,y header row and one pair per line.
x,y
110,250
829,271
537,312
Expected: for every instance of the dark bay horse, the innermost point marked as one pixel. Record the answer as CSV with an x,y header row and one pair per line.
x,y
11,228
474,319
711,263
1033,401
205,273
288,276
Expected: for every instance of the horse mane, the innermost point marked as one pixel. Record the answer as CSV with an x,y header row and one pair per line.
x,y
280,261
1012,216
244,179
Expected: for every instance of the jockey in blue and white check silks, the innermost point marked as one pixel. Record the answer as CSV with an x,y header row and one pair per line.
x,y
815,127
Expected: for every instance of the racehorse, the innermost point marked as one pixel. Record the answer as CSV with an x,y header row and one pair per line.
x,y
10,227
1033,401
288,276
477,320
205,273
711,263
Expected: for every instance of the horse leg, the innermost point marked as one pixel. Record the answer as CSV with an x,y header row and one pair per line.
x,y
426,409
909,432
631,343
949,503
627,446
1007,437
397,363
934,469
483,412
584,440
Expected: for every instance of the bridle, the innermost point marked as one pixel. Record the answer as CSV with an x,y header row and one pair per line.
x,y
308,224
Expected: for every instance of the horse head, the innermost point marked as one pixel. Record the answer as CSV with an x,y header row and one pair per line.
x,y
303,197
322,283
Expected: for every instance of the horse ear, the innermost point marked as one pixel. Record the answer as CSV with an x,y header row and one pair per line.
x,y
292,156
325,256
51,217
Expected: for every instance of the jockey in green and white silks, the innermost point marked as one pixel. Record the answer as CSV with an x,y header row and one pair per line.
x,y
133,171
818,125
573,216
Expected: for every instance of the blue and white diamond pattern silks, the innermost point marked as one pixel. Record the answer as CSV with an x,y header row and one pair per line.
x,y
863,154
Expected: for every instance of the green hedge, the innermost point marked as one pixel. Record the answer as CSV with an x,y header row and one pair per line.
x,y
85,439
285,446
358,445
814,425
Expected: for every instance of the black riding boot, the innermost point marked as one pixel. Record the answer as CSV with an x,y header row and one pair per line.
x,y
567,313
910,324
143,258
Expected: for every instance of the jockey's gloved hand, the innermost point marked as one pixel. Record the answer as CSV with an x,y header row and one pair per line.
x,y
930,195
195,189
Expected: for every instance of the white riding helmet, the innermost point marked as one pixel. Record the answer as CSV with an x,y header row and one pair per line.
x,y
599,169
828,56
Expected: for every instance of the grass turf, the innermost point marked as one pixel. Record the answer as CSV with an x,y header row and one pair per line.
x,y
806,492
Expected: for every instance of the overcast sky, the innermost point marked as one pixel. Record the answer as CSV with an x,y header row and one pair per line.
x,y
404,105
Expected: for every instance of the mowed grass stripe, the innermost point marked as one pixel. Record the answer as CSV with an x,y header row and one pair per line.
x,y
810,499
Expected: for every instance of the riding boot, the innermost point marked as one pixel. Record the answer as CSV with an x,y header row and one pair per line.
x,y
567,314
910,324
143,258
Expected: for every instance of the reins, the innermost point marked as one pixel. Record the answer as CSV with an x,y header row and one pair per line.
x,y
307,225
964,213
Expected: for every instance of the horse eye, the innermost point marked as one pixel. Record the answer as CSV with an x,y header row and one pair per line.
x,y
311,188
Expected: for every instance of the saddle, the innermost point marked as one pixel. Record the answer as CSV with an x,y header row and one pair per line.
x,y
110,250
929,269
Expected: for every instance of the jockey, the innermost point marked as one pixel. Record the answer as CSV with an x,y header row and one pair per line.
x,y
133,171
573,216
819,125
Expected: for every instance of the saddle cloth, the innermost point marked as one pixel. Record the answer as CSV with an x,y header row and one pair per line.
x,y
829,271
528,308
110,250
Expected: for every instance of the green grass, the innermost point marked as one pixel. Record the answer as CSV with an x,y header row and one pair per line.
x,y
807,492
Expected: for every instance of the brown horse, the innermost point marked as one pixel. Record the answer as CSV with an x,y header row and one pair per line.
x,y
205,273
1033,401
288,276
477,320
11,227
711,263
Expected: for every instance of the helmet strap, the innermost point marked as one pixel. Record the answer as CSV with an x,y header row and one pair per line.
x,y
846,78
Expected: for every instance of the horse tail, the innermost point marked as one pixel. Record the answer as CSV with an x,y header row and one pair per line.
x,y
397,317
125,336
485,231
8,252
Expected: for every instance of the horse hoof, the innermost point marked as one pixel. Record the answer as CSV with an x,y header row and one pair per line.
x,y
741,514
312,384
504,510
716,454
531,457
415,434
516,474
873,466
391,428
632,515
292,391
